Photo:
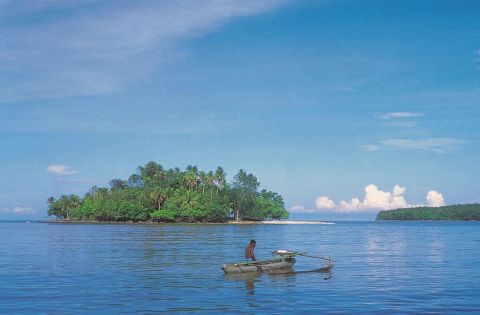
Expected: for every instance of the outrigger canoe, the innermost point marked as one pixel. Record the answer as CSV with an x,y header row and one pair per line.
x,y
285,262
267,265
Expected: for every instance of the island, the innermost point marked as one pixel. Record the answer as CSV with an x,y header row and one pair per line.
x,y
155,194
453,212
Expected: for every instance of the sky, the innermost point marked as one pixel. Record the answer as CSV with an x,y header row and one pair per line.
x,y
342,107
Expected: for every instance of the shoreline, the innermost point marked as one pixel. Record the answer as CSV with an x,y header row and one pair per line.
x,y
297,222
273,222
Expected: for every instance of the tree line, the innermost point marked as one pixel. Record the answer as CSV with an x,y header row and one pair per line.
x,y
453,212
172,195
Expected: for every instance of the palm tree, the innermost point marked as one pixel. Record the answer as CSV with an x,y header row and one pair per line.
x,y
74,201
210,181
190,200
252,182
240,179
149,170
50,201
203,180
245,187
135,180
92,192
53,207
159,197
117,183
68,203
102,193
191,179
219,177
63,203
160,173
192,168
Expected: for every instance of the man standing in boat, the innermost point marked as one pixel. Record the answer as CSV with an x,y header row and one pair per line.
x,y
249,250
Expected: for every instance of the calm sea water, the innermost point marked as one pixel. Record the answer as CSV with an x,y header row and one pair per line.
x,y
381,267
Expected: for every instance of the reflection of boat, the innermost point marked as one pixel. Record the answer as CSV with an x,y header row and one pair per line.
x,y
249,278
246,277
268,265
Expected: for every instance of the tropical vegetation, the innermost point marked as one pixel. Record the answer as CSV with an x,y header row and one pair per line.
x,y
172,195
454,212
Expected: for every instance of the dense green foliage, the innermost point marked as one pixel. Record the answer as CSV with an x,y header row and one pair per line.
x,y
172,195
455,212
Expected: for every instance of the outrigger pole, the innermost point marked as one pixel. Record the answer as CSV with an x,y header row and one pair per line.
x,y
318,257
287,253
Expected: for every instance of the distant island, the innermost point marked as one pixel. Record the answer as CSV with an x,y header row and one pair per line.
x,y
155,194
454,212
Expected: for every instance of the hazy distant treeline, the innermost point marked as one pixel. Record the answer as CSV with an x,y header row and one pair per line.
x,y
173,195
454,212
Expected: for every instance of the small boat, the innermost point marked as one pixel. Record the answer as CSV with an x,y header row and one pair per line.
x,y
284,262
268,265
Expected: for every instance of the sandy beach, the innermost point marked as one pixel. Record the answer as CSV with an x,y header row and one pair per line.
x,y
279,222
295,222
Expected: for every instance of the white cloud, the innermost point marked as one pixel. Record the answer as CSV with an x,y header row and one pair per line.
x,y
402,123
18,211
373,200
66,171
300,209
435,199
400,115
372,147
61,169
437,145
100,48
323,202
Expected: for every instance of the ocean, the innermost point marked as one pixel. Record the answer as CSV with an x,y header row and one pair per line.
x,y
380,268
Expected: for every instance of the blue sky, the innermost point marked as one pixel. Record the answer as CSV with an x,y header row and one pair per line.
x,y
342,107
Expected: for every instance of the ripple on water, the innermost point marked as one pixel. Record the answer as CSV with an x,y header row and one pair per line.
x,y
380,267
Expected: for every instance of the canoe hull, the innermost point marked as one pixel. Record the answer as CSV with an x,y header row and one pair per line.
x,y
267,266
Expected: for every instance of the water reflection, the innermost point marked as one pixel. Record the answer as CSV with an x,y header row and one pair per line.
x,y
435,250
381,268
327,271
248,278
278,276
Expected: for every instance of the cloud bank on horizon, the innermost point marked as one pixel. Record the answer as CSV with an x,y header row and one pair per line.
x,y
373,200
18,211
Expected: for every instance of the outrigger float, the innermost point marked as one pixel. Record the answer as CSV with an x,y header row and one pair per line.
x,y
283,263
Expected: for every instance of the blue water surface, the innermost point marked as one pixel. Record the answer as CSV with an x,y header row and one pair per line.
x,y
381,268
